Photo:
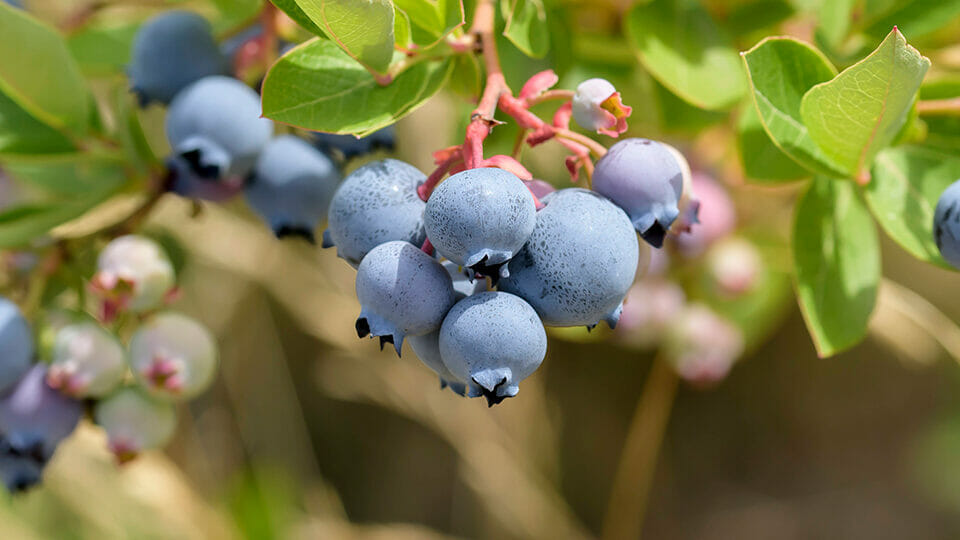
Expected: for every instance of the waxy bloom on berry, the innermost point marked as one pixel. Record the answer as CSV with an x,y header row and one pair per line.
x,y
87,361
133,273
173,356
597,107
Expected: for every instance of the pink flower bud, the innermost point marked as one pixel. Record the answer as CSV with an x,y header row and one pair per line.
x,y
597,107
735,265
702,346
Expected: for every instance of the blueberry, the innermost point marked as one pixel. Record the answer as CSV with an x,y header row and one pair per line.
x,y
376,203
19,473
184,181
292,186
173,356
133,273
946,224
34,418
215,125
461,283
480,218
427,349
579,262
402,292
16,344
539,188
171,51
494,340
645,179
87,361
347,146
134,422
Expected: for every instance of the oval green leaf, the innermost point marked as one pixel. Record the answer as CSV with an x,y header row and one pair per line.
x,y
527,27
317,86
907,182
684,49
836,257
39,74
780,71
860,111
762,161
362,28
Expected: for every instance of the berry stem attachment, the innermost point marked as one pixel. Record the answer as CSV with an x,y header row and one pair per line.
x,y
482,118
939,107
427,247
596,148
551,95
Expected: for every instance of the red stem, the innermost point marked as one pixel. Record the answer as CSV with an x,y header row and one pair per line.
x,y
427,247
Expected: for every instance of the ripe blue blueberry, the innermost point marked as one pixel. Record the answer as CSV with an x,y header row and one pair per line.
x,y
184,181
34,418
173,356
87,361
348,146
579,262
374,204
19,473
946,224
427,349
292,186
644,178
215,125
495,340
480,218
171,51
134,422
16,344
402,292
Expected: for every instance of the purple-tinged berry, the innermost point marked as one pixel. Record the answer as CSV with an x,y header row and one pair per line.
x,y
946,224
374,204
34,418
135,422
173,356
184,181
402,292
649,309
480,218
292,186
494,340
16,345
579,262
716,217
539,188
645,179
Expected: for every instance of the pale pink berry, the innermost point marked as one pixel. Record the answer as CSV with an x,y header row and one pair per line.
x,y
735,265
702,346
87,361
173,357
135,422
650,307
716,216
133,273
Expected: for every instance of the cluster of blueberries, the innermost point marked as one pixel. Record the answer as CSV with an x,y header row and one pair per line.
x,y
221,145
130,391
472,275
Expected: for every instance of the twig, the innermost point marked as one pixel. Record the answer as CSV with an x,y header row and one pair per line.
x,y
631,487
942,107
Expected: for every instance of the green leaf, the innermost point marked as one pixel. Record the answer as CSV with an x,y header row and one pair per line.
x,y
38,73
293,11
467,76
916,18
317,86
860,111
64,188
234,13
907,182
684,49
757,15
102,50
762,160
22,133
834,18
527,27
780,71
68,175
431,19
837,262
362,28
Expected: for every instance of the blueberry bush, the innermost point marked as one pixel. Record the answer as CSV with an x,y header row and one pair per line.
x,y
668,168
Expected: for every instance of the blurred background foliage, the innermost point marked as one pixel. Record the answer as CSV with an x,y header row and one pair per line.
x,y
310,433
